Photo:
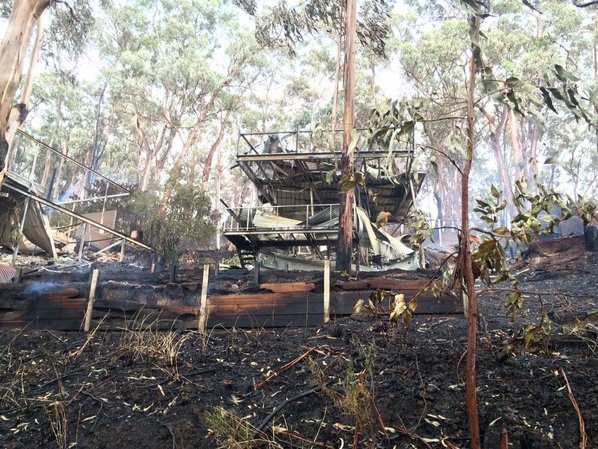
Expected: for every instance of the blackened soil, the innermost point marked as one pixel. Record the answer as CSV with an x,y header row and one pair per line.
x,y
349,383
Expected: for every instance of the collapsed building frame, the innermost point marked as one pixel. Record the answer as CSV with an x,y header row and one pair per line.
x,y
296,176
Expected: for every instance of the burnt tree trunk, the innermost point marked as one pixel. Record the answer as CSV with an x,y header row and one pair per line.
x,y
467,280
345,232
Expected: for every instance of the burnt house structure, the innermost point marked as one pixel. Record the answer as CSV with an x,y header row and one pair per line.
x,y
297,180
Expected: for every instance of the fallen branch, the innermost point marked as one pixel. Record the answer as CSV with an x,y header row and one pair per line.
x,y
282,405
583,437
165,424
283,368
305,440
412,435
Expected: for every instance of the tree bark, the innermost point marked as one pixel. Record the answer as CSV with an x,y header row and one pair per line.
x,y
467,282
534,132
496,132
177,168
345,232
337,71
518,162
96,149
13,49
207,168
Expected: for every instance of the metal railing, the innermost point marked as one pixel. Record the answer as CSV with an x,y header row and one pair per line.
x,y
303,142
307,217
69,189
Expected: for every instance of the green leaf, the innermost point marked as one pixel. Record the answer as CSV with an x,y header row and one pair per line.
x,y
564,75
512,82
502,231
494,191
346,184
331,176
547,99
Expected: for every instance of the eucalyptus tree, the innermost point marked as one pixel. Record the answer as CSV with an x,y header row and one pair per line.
x,y
432,58
286,26
23,19
178,73
522,47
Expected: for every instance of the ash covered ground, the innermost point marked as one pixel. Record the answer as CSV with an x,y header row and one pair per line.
x,y
349,383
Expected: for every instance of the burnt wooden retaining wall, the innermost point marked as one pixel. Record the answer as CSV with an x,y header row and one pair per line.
x,y
127,299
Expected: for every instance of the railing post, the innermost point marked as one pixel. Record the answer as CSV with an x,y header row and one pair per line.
x,y
326,290
122,250
82,241
202,321
33,164
92,293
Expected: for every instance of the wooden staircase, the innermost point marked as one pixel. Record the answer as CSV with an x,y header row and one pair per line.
x,y
246,257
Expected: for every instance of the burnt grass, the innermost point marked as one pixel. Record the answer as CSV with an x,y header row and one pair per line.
x,y
349,383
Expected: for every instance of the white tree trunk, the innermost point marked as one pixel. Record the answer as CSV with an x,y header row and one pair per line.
x,y
12,54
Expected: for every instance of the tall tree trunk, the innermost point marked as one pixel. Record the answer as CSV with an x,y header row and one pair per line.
x,y
57,190
177,167
518,162
147,155
14,45
534,132
496,132
345,231
217,196
96,149
337,72
207,168
467,283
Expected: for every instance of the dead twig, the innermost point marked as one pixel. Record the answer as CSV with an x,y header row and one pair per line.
x,y
459,378
305,440
98,412
379,418
322,421
583,437
412,435
165,424
283,368
76,354
282,405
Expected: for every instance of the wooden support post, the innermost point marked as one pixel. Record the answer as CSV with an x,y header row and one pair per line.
x,y
92,293
326,291
122,251
19,275
256,269
21,227
203,303
82,241
173,270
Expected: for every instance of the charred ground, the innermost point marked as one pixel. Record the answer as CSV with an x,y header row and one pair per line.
x,y
391,385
